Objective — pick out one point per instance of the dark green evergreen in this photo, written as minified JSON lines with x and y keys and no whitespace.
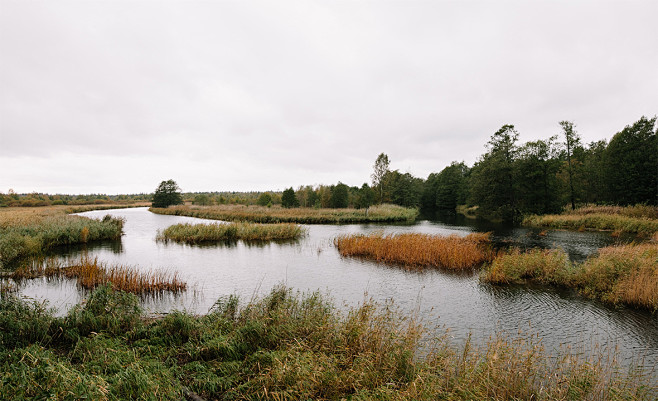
{"x":631,"y":164}
{"x":339,"y":196}
{"x":166,"y":194}
{"x":451,"y":188}
{"x":289,"y":199}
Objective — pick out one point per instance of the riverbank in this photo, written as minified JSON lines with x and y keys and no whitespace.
{"x":639,"y":219}
{"x":275,"y":214}
{"x":282,"y":346}
{"x":27,"y":232}
{"x":626,"y":274}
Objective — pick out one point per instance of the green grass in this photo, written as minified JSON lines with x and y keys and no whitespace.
{"x":25,"y":233}
{"x":261,"y":214}
{"x":283,"y":346}
{"x":638,"y":219}
{"x":196,"y":233}
{"x":625,"y":274}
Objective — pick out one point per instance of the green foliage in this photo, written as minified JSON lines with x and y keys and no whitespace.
{"x":203,"y":200}
{"x":107,"y":311}
{"x":23,"y":322}
{"x":166,"y":194}
{"x":264,"y":199}
{"x":366,"y":197}
{"x":451,"y":187}
{"x":289,"y":199}
{"x":380,"y":169}
{"x":339,"y":196}
{"x":631,"y":164}
{"x":537,"y":167}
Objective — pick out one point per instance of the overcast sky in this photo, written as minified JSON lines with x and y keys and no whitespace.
{"x":116,"y":96}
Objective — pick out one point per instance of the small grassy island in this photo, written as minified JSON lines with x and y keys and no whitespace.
{"x":196,"y":233}
{"x":306,"y":215}
{"x":419,"y":250}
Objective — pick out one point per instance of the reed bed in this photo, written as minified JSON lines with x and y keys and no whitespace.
{"x":30,"y":232}
{"x":90,"y":274}
{"x":625,"y":274}
{"x":419,"y":250}
{"x":284,"y":346}
{"x":639,"y":219}
{"x":197,"y":233}
{"x":267,"y":215}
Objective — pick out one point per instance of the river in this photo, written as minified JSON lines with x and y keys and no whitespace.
{"x":457,"y":302}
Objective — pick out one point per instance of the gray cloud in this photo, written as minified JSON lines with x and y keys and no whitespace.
{"x":116,"y":96}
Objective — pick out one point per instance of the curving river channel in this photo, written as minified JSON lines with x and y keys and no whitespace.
{"x":458,"y":302}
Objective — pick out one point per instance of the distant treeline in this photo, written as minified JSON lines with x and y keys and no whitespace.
{"x":39,"y":199}
{"x":508,"y":181}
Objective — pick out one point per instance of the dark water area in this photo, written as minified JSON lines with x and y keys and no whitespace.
{"x":457,"y":302}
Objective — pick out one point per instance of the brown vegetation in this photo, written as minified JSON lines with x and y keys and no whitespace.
{"x":419,"y":250}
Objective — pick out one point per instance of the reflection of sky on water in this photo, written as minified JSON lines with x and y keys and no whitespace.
{"x":458,"y":302}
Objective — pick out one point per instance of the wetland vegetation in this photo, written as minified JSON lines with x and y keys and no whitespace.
{"x":626,"y":274}
{"x":283,"y":346}
{"x":419,"y":250}
{"x":196,"y":233}
{"x":261,"y":214}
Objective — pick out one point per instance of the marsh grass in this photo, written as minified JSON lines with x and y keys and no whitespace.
{"x":419,"y":250}
{"x":30,"y":232}
{"x":267,"y":215}
{"x":639,"y":219}
{"x":284,"y":346}
{"x":197,"y":233}
{"x":624,"y":274}
{"x":90,"y":273}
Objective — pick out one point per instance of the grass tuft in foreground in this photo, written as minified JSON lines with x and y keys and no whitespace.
{"x":90,"y":274}
{"x":284,"y":346}
{"x":626,"y":274}
{"x":419,"y":250}
{"x":196,"y":233}
{"x":267,"y":215}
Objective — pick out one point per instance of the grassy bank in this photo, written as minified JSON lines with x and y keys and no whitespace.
{"x":419,"y":250}
{"x":26,"y":232}
{"x":261,"y":214}
{"x":196,"y":233}
{"x":632,"y":219}
{"x":281,"y":347}
{"x":90,"y":274}
{"x":618,"y":274}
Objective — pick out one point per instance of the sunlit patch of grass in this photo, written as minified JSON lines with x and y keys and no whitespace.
{"x":196,"y":233}
{"x":540,"y":265}
{"x":419,"y":250}
{"x":90,"y":274}
{"x":262,"y":214}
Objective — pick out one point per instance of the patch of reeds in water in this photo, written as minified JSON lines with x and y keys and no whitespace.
{"x":267,"y":215}
{"x":638,"y":219}
{"x":90,"y":273}
{"x":419,"y":250}
{"x":30,"y":232}
{"x":197,"y":233}
{"x":625,"y":274}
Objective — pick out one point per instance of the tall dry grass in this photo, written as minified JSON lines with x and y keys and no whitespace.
{"x":261,"y":214}
{"x":640,"y":219}
{"x":624,"y":274}
{"x":196,"y":233}
{"x":419,"y":250}
{"x":90,"y":274}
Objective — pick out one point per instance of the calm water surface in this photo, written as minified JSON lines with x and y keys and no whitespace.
{"x":458,"y":302}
